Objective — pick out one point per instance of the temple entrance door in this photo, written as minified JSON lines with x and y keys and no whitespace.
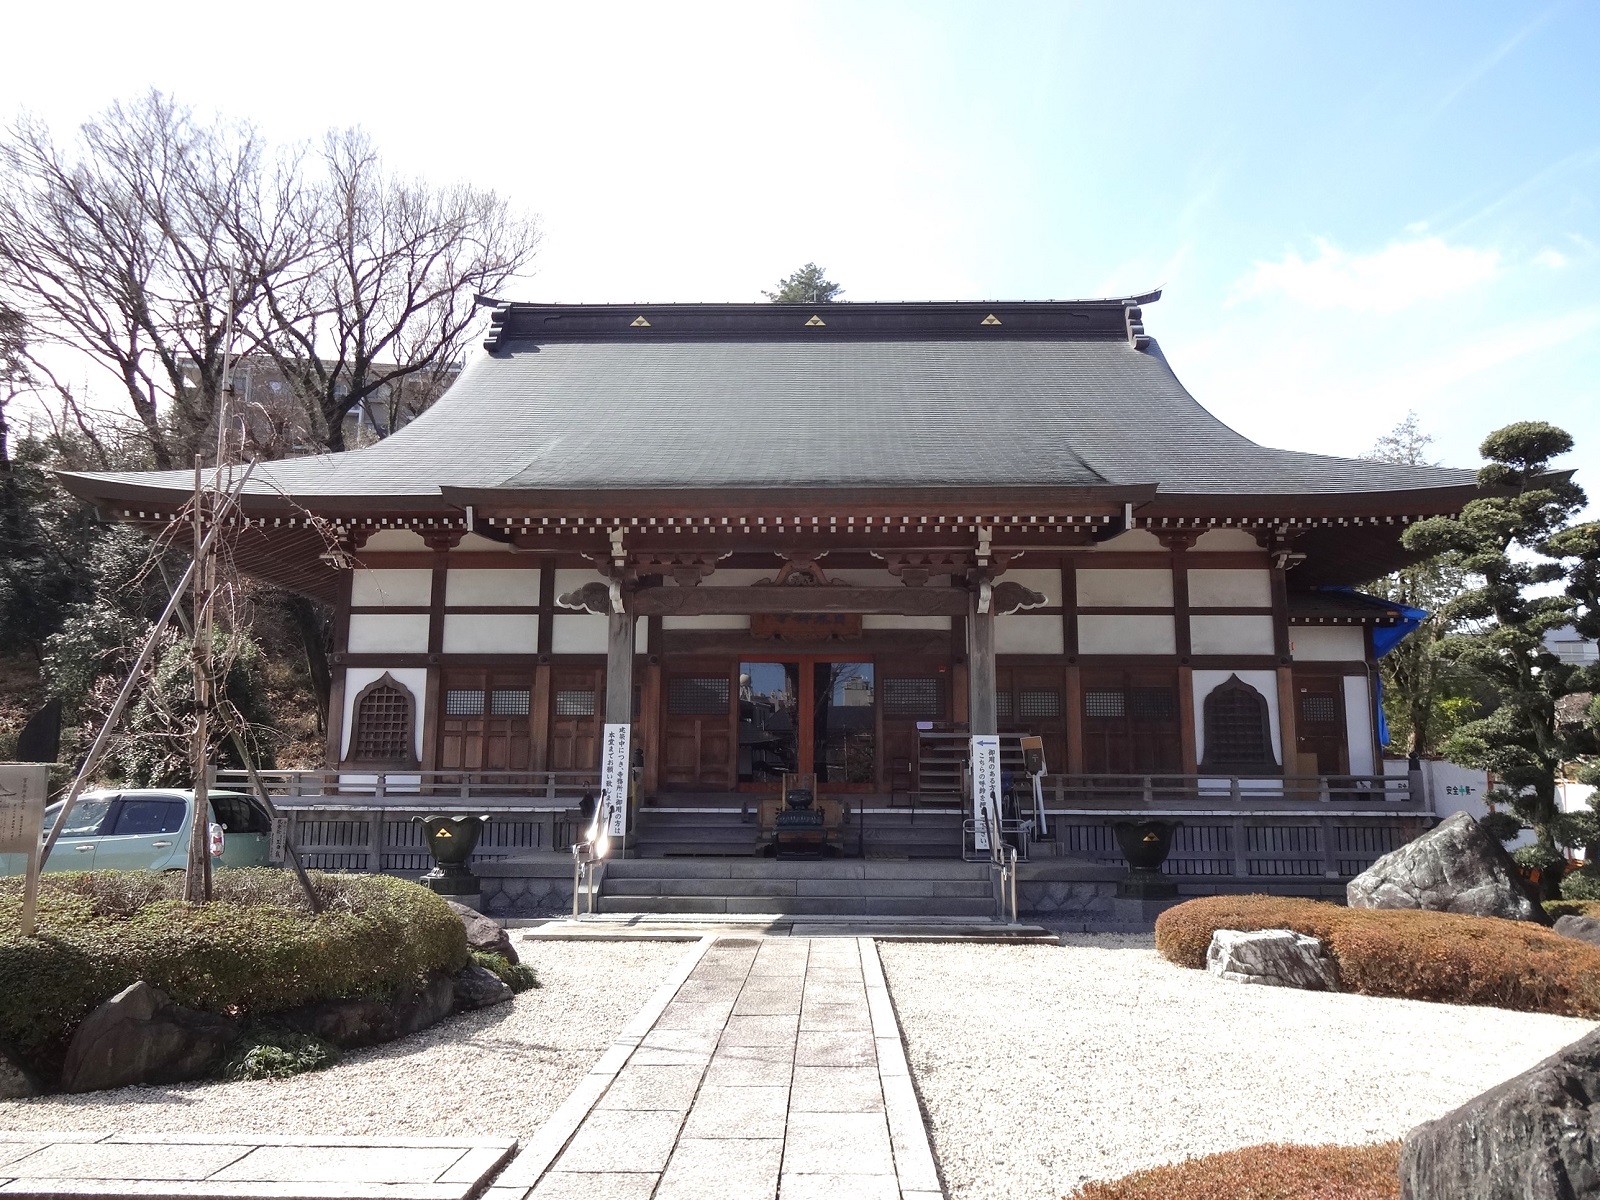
{"x":697,"y":732}
{"x":577,"y":701}
{"x":484,"y":722}
{"x":1319,"y":726}
{"x":1130,"y":721}
{"x":816,"y":715}
{"x":1031,"y":699}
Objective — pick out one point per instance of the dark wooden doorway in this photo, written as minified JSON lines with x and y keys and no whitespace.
{"x":577,"y":703}
{"x":697,"y":728}
{"x":484,"y":721}
{"x":1319,"y":728}
{"x":1130,"y":721}
{"x":1033,"y":700}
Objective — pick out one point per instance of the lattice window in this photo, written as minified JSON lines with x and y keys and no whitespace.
{"x":1153,"y":704}
{"x":1319,"y":709}
{"x":1104,"y":704}
{"x":463,"y":702}
{"x":1238,"y":729}
{"x":509,"y":702}
{"x":574,"y":704}
{"x":1002,"y":706}
{"x":1035,"y":703}
{"x":913,"y":698}
{"x":698,"y":697}
{"x":382,"y":724}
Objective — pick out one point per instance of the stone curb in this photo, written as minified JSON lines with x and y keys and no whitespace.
{"x":908,"y":1135}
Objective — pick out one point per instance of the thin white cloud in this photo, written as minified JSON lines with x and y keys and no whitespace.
{"x":1492,"y":60}
{"x":1386,"y":281}
{"x":1553,"y":259}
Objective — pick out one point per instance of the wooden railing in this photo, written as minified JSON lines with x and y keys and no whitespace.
{"x":1320,"y":795}
{"x":521,"y":790}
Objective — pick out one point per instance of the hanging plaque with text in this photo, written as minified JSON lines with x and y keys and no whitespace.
{"x":985,"y":787}
{"x":614,"y":770}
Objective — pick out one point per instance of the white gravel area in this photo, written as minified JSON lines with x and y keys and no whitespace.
{"x":497,"y":1072}
{"x":1042,"y":1067}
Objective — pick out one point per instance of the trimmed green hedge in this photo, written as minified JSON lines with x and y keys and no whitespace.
{"x":256,"y":950}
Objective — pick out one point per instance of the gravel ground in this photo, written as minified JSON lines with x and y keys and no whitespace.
{"x":1042,"y":1067}
{"x":497,"y":1072}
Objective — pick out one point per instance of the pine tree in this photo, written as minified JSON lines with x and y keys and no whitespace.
{"x":808,"y":285}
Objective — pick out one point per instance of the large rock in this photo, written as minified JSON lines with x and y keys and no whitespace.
{"x":15,"y":1080}
{"x":484,"y":933}
{"x":1277,"y":957}
{"x":476,"y":987}
{"x":1535,"y":1137}
{"x":1586,"y":929}
{"x":141,"y":1035}
{"x":366,"y":1022}
{"x":1455,"y":867}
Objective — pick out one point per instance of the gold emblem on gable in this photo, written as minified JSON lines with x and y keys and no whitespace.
{"x":816,"y":320}
{"x":991,"y":319}
{"x":639,"y":322}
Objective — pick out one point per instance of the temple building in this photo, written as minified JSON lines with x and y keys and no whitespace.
{"x":783,"y":540}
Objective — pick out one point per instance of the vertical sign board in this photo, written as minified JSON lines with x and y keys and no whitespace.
{"x":22,"y":793}
{"x":278,"y":846}
{"x":614,"y":764}
{"x":985,"y":787}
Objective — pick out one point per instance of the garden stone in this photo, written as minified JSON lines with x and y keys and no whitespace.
{"x":1534,"y":1137}
{"x":1586,"y":929}
{"x":1277,"y":957}
{"x":479,"y":987}
{"x":484,"y":933}
{"x":366,"y":1022}
{"x":1455,"y":867}
{"x":141,"y":1035}
{"x":15,"y":1081}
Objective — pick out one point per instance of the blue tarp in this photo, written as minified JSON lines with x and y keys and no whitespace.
{"x":1385,"y":638}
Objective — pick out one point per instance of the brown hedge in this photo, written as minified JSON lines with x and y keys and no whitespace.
{"x":1270,"y":1172}
{"x":1417,"y":955}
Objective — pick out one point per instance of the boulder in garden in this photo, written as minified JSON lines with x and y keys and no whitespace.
{"x":1455,"y":867}
{"x":478,"y":987}
{"x":485,"y":934}
{"x":1276,"y":957}
{"x":367,"y":1021}
{"x":1585,"y":929}
{"x":141,"y":1035}
{"x":15,"y":1081}
{"x":1535,"y":1137}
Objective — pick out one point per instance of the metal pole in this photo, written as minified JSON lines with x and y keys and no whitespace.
{"x":97,"y":751}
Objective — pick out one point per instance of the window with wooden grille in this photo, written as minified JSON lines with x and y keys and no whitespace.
{"x":1035,"y":703}
{"x":574,"y":703}
{"x":508,"y":702}
{"x":1153,"y":704}
{"x":463,"y":702}
{"x":1002,"y":706}
{"x":1104,"y":704}
{"x":913,"y":698}
{"x":697,"y":696}
{"x":382,"y":723}
{"x":1238,"y":730}
{"x":1319,"y":709}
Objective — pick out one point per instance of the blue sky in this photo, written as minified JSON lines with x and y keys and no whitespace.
{"x":1355,"y":209}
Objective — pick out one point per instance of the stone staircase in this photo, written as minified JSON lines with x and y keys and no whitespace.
{"x":666,"y":832}
{"x":826,"y":887}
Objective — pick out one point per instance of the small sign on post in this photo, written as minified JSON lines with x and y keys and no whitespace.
{"x":615,"y":760}
{"x":985,"y":787}
{"x":278,"y":846}
{"x":22,"y":793}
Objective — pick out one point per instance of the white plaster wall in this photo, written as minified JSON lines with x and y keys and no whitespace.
{"x":1265,"y":682}
{"x":1210,"y":587}
{"x":413,"y":678}
{"x":388,"y":633}
{"x":586,"y":633}
{"x":394,"y":539}
{"x":1039,"y":579}
{"x":1230,"y":635}
{"x":1135,"y":588}
{"x":1024,"y":634}
{"x":1133,"y":539}
{"x":1327,"y":643}
{"x":1358,"y":722}
{"x":387,"y":588}
{"x":1232,"y":540}
{"x":480,"y":586}
{"x":491,"y":633}
{"x":893,"y":621}
{"x":1108,"y":634}
{"x":707,"y":621}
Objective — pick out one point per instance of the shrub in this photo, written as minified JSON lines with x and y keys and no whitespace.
{"x":270,"y":1051}
{"x":1582,"y":884}
{"x":255,"y":951}
{"x":1409,"y":953}
{"x":519,"y":977}
{"x":1572,"y":908}
{"x":1271,"y":1172}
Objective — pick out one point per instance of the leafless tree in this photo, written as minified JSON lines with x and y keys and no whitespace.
{"x":382,"y":311}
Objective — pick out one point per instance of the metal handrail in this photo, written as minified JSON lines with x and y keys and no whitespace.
{"x":1003,"y":864}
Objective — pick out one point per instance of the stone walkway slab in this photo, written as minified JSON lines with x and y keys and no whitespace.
{"x":242,"y":1167}
{"x":766,"y":1068}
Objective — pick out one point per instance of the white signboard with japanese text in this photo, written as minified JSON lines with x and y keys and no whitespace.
{"x":278,"y":846}
{"x":614,"y":769}
{"x":985,"y":787}
{"x":22,"y":796}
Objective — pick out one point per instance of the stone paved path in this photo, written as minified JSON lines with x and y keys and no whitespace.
{"x":767,"y":1068}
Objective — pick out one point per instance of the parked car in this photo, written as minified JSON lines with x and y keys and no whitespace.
{"x":148,"y":829}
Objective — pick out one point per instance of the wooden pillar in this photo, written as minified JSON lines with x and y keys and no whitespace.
{"x":1286,"y":725}
{"x":1074,"y":763}
{"x":619,"y":667}
{"x":981,"y":704}
{"x":334,"y":749}
{"x":649,"y":730}
{"x":1187,"y":742}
